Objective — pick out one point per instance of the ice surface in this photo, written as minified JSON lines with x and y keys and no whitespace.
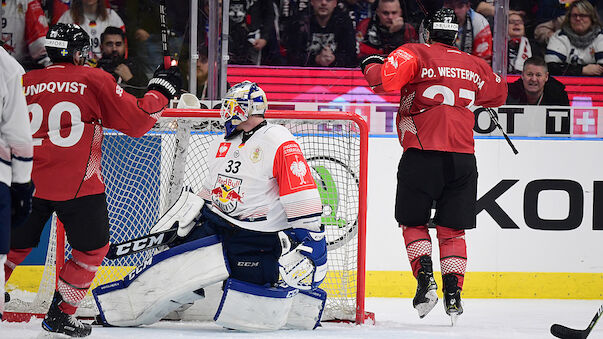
{"x":483,"y":318}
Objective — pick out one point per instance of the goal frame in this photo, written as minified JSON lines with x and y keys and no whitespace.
{"x":361,"y":314}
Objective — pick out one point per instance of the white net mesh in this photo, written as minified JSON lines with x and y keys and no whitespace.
{"x":144,"y":176}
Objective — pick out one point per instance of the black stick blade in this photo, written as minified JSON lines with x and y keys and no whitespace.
{"x":563,"y":332}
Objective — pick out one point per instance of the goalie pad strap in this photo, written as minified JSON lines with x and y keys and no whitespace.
{"x":249,"y":307}
{"x":162,"y":283}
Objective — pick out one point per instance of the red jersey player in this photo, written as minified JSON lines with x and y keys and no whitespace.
{"x":69,"y":104}
{"x":435,"y":127}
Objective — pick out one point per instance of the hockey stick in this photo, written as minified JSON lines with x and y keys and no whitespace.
{"x":495,"y":120}
{"x":561,"y":331}
{"x":164,"y":45}
{"x":143,"y":243}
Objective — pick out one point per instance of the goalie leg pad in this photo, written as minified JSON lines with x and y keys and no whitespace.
{"x":252,"y":308}
{"x":162,"y":283}
{"x":306,"y":310}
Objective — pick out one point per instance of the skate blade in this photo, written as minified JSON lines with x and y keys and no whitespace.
{"x":425,"y":308}
{"x":51,"y":335}
{"x":453,"y":319}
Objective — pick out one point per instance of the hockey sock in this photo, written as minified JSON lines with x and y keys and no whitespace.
{"x":453,"y":252}
{"x":418,"y":244}
{"x":77,"y":275}
{"x":13,"y":259}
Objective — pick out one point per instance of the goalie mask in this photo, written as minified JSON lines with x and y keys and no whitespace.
{"x":442,"y":27}
{"x":241,"y":101}
{"x":64,"y":40}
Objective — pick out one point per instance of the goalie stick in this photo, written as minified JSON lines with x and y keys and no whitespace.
{"x":143,"y":243}
{"x":564,"y":332}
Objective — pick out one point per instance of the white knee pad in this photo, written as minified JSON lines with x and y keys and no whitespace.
{"x":250,"y":307}
{"x":162,"y":284}
{"x":306,"y":310}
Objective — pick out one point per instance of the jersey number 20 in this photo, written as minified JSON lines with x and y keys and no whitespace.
{"x":54,"y":123}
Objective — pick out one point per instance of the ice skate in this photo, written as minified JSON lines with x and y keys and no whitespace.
{"x":59,"y":322}
{"x":452,"y":298}
{"x":425,"y":297}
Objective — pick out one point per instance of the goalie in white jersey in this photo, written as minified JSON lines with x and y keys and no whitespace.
{"x":260,"y":216}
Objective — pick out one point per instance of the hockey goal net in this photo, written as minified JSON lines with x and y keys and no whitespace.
{"x":144,"y":177}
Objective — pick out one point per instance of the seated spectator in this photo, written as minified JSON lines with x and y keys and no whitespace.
{"x":475,"y":36}
{"x":544,"y":31}
{"x":24,"y":29}
{"x":520,"y":48}
{"x":324,"y":37}
{"x":577,"y":48}
{"x":94,"y":17}
{"x":128,"y":74}
{"x":386,"y":31}
{"x":536,"y":87}
{"x":251,"y":27}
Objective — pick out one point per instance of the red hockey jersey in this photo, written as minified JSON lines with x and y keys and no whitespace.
{"x":68,"y":106}
{"x":438,"y":84}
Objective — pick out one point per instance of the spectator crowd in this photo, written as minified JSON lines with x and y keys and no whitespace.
{"x":567,"y":34}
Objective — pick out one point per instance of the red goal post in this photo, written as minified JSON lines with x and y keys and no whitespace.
{"x":143,"y":177}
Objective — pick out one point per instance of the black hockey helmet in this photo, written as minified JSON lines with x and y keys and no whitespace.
{"x":442,"y":26}
{"x":63,"y":40}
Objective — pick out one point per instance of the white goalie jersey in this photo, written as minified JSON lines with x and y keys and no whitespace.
{"x":264,"y":184}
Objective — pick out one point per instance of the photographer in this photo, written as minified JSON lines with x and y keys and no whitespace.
{"x":126,"y":72}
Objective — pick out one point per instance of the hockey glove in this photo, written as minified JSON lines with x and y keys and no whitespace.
{"x":303,"y":264}
{"x":371,"y":59}
{"x":20,"y":202}
{"x":167,"y":81}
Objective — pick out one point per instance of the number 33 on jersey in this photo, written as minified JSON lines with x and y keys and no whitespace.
{"x":264,"y":184}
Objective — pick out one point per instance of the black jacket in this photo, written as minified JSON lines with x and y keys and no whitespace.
{"x":554,"y":93}
{"x":306,"y":39}
{"x":137,"y":86}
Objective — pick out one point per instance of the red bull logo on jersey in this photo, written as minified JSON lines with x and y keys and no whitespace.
{"x":226,"y":193}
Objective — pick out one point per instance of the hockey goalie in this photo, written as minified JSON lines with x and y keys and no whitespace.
{"x":255,"y":226}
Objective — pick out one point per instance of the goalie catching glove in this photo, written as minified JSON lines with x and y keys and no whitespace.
{"x":303,"y":263}
{"x":166,"y":81}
